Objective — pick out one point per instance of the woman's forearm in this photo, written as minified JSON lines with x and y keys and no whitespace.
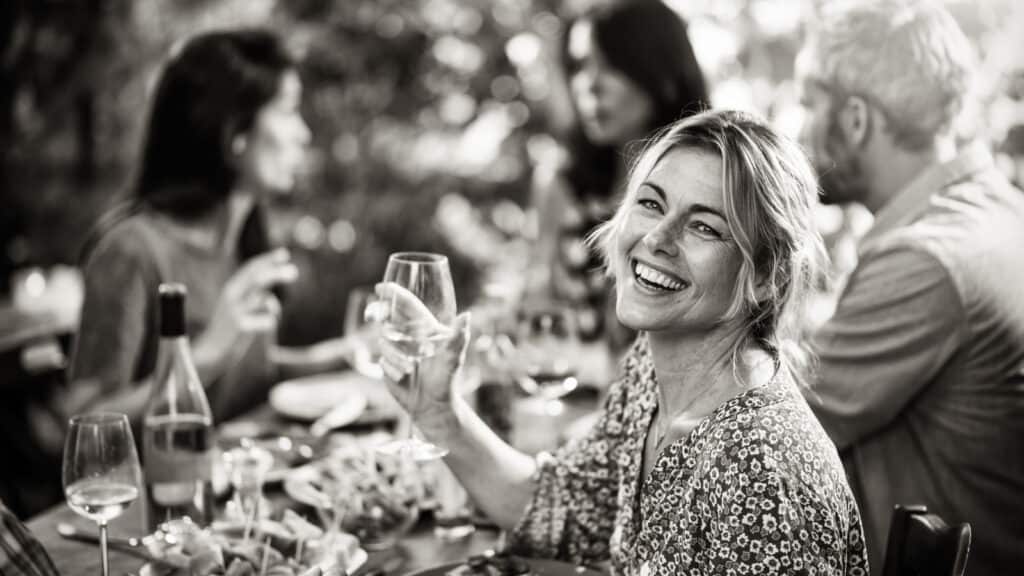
{"x":497,"y":476}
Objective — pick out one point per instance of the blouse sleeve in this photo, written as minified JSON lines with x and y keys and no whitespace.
{"x":115,"y":316}
{"x":572,"y":513}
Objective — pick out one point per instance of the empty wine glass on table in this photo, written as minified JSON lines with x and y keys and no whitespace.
{"x":428,"y":278}
{"x":548,"y":348}
{"x":101,"y":470}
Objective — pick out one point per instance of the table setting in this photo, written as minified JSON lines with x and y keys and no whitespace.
{"x":328,"y":478}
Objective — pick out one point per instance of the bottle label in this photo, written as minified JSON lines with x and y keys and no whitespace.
{"x":179,"y":467}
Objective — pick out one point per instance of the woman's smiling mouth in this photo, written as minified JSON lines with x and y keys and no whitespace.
{"x":653,"y":279}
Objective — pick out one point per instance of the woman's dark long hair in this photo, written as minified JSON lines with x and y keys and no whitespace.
{"x":207,"y":95}
{"x":647,"y":41}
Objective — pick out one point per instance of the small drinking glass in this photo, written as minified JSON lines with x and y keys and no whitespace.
{"x":248,"y":466}
{"x":101,"y":472}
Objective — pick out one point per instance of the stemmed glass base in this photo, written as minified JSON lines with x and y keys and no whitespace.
{"x":414,"y":449}
{"x":410,"y":446}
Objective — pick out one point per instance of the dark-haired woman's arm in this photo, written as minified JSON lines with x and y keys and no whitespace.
{"x":325,"y":356}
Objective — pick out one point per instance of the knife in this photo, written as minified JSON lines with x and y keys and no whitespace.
{"x":133,"y":546}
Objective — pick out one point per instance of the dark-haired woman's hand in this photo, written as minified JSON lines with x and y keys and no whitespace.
{"x":246,"y":307}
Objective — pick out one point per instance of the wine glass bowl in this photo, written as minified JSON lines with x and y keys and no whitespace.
{"x":101,"y":472}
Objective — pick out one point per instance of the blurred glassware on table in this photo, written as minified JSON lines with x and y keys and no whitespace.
{"x":428,"y":278}
{"x":487,"y":378}
{"x":363,"y":332}
{"x":178,"y":438}
{"x":548,"y":349}
{"x":101,"y":472}
{"x":247,"y":469}
{"x":453,"y":515}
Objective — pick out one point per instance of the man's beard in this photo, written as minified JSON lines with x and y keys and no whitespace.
{"x":842,"y":178}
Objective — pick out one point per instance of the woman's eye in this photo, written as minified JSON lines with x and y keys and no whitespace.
{"x":650,"y":204}
{"x":706,"y":230}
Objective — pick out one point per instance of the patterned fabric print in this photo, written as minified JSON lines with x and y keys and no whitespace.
{"x":757,"y":488}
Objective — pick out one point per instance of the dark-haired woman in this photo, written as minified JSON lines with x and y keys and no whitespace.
{"x":630,"y":70}
{"x":224,"y":133}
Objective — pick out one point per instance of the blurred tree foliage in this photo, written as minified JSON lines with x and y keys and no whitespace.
{"x":414,"y":105}
{"x":409,"y":102}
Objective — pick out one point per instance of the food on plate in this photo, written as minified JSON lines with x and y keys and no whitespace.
{"x":373,"y":496}
{"x":288,"y":547}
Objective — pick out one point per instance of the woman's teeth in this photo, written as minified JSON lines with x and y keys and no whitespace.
{"x":653,"y":278}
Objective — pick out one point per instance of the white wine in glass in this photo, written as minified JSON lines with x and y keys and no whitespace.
{"x":101,"y":470}
{"x":428,"y":278}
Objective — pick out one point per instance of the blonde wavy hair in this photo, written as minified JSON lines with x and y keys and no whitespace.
{"x":769,"y":192}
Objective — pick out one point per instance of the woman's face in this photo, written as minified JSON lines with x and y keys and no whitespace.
{"x":275,"y":146}
{"x":613,"y":109}
{"x":675,"y":263}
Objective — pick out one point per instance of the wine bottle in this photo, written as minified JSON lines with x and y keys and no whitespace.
{"x":177,"y":427}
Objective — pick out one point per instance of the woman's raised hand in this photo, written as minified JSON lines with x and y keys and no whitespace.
{"x":400,"y":307}
{"x":246,"y":306}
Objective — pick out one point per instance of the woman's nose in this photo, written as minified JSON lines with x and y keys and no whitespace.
{"x":662,"y":238}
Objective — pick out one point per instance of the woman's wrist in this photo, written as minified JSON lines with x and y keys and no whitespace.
{"x":442,"y":426}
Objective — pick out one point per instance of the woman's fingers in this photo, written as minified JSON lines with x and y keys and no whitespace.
{"x":400,"y":306}
{"x":262,"y":272}
{"x":398,"y":360}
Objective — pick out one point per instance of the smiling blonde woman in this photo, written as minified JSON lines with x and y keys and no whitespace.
{"x":706,"y":460}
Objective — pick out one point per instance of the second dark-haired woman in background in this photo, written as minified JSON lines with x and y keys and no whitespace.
{"x":224,"y":133}
{"x":630,"y":70}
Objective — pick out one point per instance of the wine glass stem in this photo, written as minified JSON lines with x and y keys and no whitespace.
{"x":103,"y":549}
{"x":414,"y":389}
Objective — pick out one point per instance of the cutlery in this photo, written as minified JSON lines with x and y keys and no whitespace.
{"x":134,"y":546}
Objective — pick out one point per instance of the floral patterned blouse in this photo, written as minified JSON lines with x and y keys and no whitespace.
{"x":756,"y":488}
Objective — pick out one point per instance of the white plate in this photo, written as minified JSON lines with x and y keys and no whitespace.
{"x":380,"y":406}
{"x":311,"y":397}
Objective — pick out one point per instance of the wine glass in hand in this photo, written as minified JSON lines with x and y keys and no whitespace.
{"x":101,"y":470}
{"x":418,"y":327}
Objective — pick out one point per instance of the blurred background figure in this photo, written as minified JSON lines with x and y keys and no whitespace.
{"x":630,"y":70}
{"x":224,"y":134}
{"x":1012,"y":149}
{"x":921,"y":369}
